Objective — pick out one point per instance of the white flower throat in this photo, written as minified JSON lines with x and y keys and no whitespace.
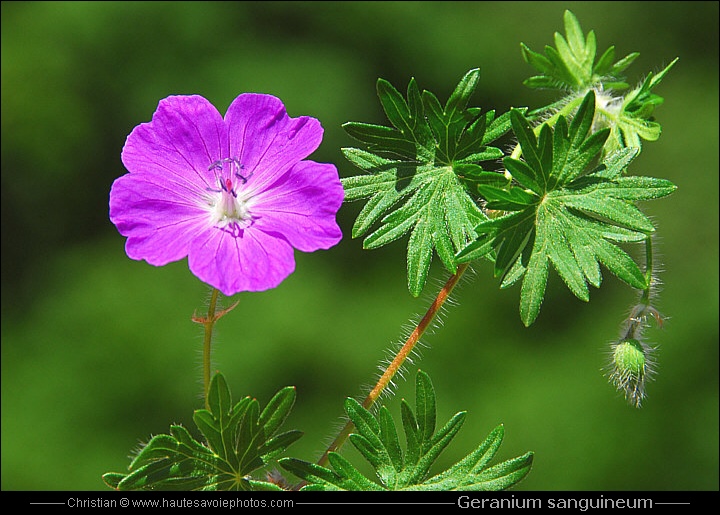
{"x":228,"y":207}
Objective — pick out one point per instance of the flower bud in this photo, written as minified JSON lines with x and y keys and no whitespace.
{"x":629,"y":357}
{"x":630,"y":368}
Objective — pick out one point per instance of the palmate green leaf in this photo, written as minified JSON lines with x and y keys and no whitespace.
{"x":417,"y":173}
{"x":571,"y":65}
{"x":559,"y":211}
{"x":376,"y":438}
{"x":634,"y":120}
{"x":239,"y":439}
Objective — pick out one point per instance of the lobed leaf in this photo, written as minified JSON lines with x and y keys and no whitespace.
{"x":376,"y":439}
{"x":572,"y":63}
{"x":420,"y":172}
{"x":240,"y":439}
{"x":561,"y":211}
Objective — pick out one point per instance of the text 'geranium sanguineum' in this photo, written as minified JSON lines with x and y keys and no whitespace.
{"x":236,"y":195}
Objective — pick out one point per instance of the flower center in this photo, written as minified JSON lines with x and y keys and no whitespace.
{"x":228,"y":207}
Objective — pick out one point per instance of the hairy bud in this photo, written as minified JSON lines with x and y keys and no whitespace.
{"x":631,"y":367}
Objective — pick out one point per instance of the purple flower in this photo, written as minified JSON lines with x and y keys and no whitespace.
{"x":234,"y":195}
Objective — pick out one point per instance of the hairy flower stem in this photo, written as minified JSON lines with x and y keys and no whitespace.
{"x":209,"y":323}
{"x":399,"y":358}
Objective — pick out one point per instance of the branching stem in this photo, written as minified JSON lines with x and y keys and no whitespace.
{"x":209,"y":323}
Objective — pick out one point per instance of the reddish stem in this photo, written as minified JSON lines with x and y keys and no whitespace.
{"x":399,"y":358}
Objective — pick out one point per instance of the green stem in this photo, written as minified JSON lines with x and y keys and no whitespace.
{"x":648,"y":269}
{"x":644,"y":309}
{"x":208,"y":322}
{"x":399,"y":358}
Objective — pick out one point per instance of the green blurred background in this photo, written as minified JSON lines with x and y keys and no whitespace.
{"x":99,"y":353}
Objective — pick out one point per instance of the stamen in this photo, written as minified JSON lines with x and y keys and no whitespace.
{"x":228,"y":211}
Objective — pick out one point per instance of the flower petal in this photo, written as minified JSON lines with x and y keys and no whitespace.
{"x":265,"y":139}
{"x":158,"y":220}
{"x":249,"y":260}
{"x":302,"y":205}
{"x":186,"y":135}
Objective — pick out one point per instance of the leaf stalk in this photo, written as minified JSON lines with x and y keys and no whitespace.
{"x":399,"y":358}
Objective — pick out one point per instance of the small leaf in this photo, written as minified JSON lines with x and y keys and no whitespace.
{"x":605,"y":62}
{"x":317,"y":475}
{"x":534,"y":282}
{"x":615,"y":164}
{"x":641,"y":188}
{"x":528,"y":142}
{"x":383,"y":139}
{"x":619,"y":263}
{"x":412,"y":127}
{"x":564,"y":261}
{"x":419,"y":256}
{"x":503,"y":475}
{"x":204,"y":421}
{"x":389,"y":437}
{"x":370,"y":453}
{"x":603,"y":204}
{"x":425,"y":406}
{"x":264,"y":486}
{"x":572,"y":63}
{"x":498,"y":127}
{"x":364,"y":421}
{"x":219,"y":399}
{"x":353,"y":478}
{"x":112,"y":479}
{"x":513,"y":275}
{"x":436,"y":446}
{"x":412,"y":435}
{"x":277,"y":410}
{"x":278,"y":444}
{"x":522,"y":173}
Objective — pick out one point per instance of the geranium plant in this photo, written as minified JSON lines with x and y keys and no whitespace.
{"x":236,"y":195}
